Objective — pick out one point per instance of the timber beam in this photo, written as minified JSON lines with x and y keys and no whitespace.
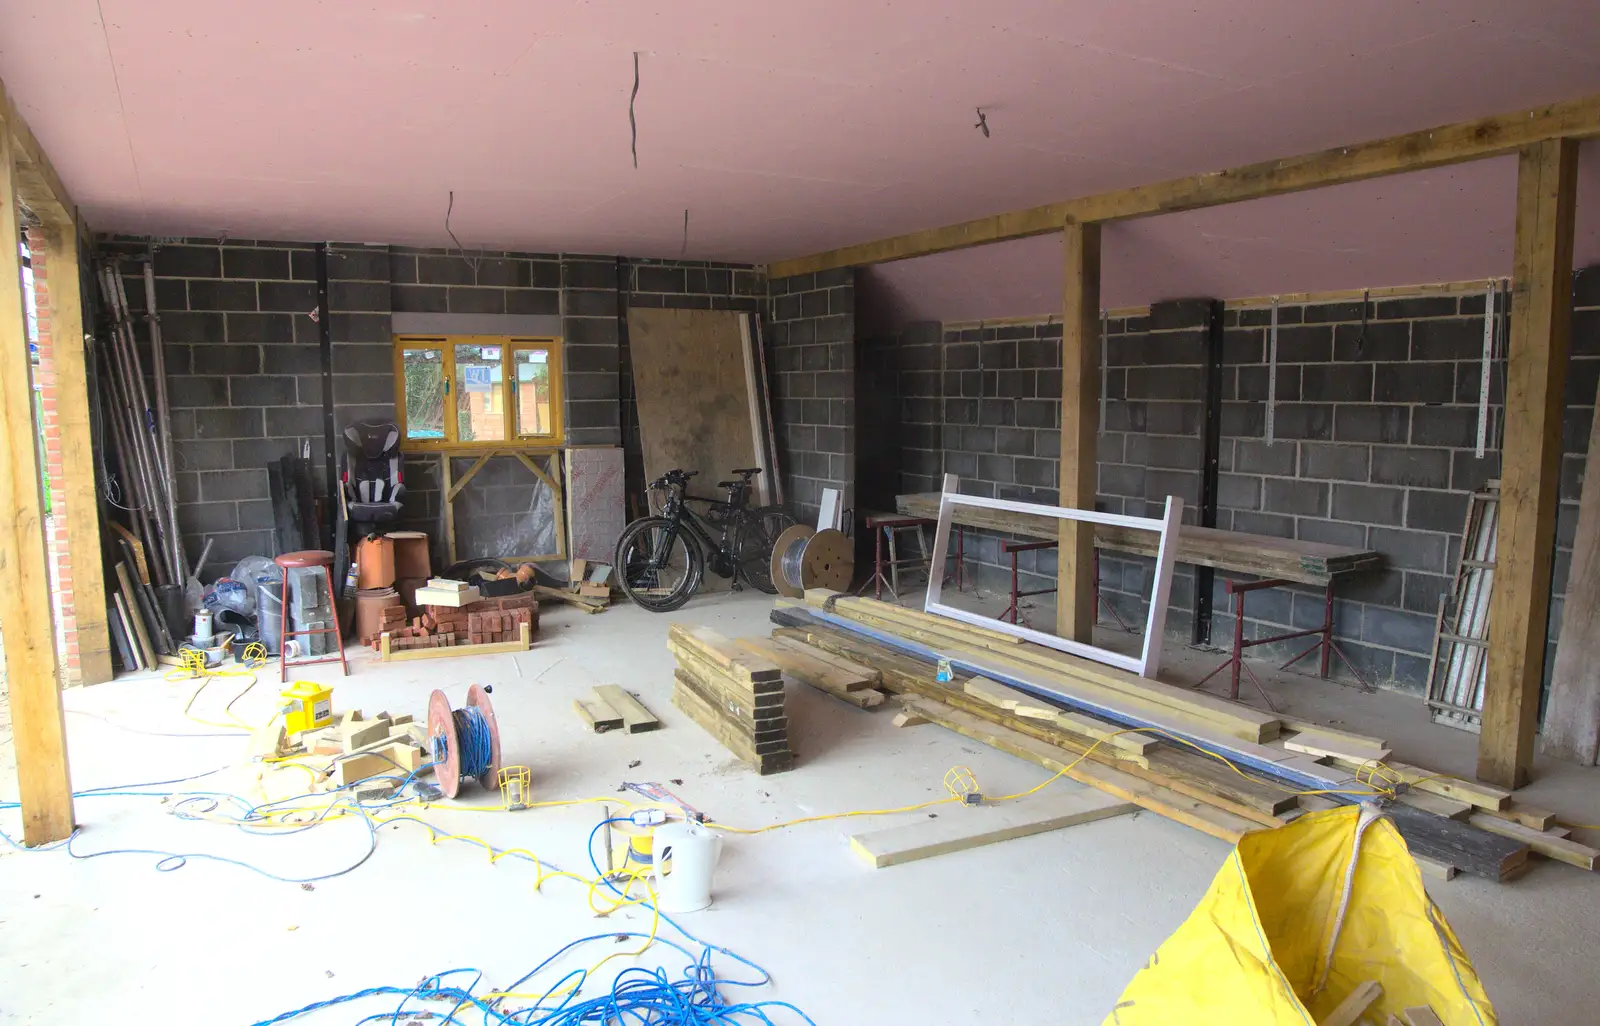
{"x":1536,"y":372}
{"x":1398,"y":154}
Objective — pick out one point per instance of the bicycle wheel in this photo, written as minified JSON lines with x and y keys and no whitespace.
{"x":757,"y":534}
{"x":659,"y":566}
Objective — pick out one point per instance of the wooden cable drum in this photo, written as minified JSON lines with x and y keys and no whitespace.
{"x":464,"y":742}
{"x":804,"y":557}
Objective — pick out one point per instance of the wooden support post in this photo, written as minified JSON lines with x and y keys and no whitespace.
{"x":73,"y":400}
{"x":1080,"y":395}
{"x":30,"y":648}
{"x":1536,"y":370}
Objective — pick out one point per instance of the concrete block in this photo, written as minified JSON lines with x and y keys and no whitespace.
{"x":1332,"y":532}
{"x":1436,"y":511}
{"x":1380,"y":342}
{"x":1252,"y":457}
{"x":1410,"y":550}
{"x":1368,"y":505}
{"x":227,"y":423}
{"x":188,"y":262}
{"x":289,"y":296}
{"x":1312,"y":421}
{"x":221,"y":295}
{"x":1394,"y":628}
{"x":1452,"y":339}
{"x":1414,"y":383}
{"x":1421,"y":468}
{"x":1334,"y":461}
{"x":1372,"y":423}
{"x":1305,"y":344}
{"x":1295,"y":497}
{"x":418,"y":299}
{"x":1239,"y":491}
{"x":1345,"y":383}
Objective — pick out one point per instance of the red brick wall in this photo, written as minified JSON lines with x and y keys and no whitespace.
{"x":56,"y":523}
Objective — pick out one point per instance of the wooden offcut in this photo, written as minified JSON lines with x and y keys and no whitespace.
{"x":1536,"y":371}
{"x":1317,"y":743}
{"x":599,"y":716}
{"x":799,"y":663}
{"x":693,"y":402}
{"x":960,"y":828}
{"x":636,"y":719}
{"x":1347,"y":1011}
{"x":1551,"y":845}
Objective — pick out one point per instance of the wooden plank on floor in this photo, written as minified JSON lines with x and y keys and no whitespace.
{"x":635,"y":717}
{"x":1434,"y":869}
{"x":1550,"y":845}
{"x":598,"y":715}
{"x":1157,"y":799}
{"x":739,"y":663}
{"x":1439,"y":805}
{"x":802,"y":666}
{"x":870,"y":674}
{"x":959,"y":828}
{"x":1327,"y":746}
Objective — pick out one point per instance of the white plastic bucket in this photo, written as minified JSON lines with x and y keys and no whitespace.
{"x":685,"y":857}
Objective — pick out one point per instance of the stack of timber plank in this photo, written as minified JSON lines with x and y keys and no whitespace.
{"x":734,"y":693}
{"x":831,"y":674}
{"x":1153,"y":768}
{"x":1288,"y":558}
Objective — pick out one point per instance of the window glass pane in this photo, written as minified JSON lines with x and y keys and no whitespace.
{"x":480,"y":412}
{"x":424,"y":372}
{"x":532,"y":396}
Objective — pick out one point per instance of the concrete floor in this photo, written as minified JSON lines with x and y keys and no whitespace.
{"x":1044,"y":929}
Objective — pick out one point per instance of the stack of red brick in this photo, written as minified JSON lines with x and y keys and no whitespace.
{"x":477,"y":623}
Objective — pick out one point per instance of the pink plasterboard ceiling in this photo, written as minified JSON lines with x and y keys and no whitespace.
{"x":783,"y":129}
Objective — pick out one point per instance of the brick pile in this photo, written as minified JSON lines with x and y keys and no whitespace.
{"x":484,"y":622}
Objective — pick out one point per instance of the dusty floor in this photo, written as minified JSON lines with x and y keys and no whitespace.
{"x":1045,"y":929}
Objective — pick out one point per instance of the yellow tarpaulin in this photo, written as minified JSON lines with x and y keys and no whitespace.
{"x":1252,"y":952}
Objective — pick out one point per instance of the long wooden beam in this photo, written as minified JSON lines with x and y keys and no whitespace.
{"x":1080,"y":392}
{"x":37,"y":185}
{"x":81,"y":501}
{"x":1536,"y":371}
{"x":30,"y":648}
{"x":1413,"y":151}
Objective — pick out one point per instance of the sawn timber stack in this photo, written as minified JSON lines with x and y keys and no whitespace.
{"x":735,"y":694}
{"x":1171,"y":777}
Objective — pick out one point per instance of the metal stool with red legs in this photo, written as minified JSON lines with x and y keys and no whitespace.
{"x":299,"y":560}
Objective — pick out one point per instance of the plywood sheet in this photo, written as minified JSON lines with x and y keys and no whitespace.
{"x":694,"y":406}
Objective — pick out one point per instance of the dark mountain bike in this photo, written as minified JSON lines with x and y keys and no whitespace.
{"x":661,"y":559}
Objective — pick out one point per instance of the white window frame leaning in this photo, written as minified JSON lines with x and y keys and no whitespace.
{"x":1148,"y":663}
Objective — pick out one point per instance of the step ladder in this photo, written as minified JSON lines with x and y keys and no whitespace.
{"x":1460,"y":662}
{"x":920,"y":563}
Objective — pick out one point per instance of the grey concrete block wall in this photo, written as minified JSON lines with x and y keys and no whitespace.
{"x":1374,"y":436}
{"x":811,"y":365}
{"x":245,"y":366}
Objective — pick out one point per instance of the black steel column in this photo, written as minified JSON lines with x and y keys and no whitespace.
{"x":1211,"y":438}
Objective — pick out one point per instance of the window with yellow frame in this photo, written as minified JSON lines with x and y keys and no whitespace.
{"x":477,"y":391}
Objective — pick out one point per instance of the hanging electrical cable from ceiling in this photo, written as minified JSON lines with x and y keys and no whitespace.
{"x":683,"y":250}
{"x":633,"y":124}
{"x":983,"y":123}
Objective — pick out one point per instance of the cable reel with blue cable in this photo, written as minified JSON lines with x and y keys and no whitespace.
{"x":464,"y":742}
